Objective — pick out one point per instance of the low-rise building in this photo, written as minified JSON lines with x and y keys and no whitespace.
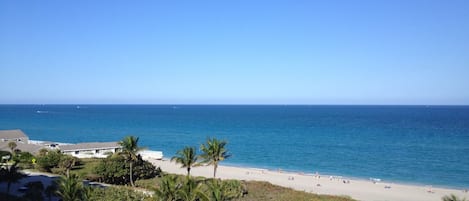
{"x":80,"y":150}
{"x":20,"y":139}
{"x":13,"y":136}
{"x":91,"y":149}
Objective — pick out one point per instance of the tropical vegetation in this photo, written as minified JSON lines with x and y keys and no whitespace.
{"x":187,"y":157}
{"x":56,"y":162}
{"x":12,"y":146}
{"x":130,"y":150}
{"x":70,"y":188}
{"x":452,"y":197}
{"x":128,"y":167}
{"x":213,"y":152}
{"x":115,"y":170}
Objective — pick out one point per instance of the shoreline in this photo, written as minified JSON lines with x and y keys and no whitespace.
{"x":328,"y":184}
{"x":306,"y":173}
{"x":410,"y":183}
{"x":357,"y":188}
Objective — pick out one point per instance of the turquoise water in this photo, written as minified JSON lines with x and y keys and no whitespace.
{"x":412,"y":144}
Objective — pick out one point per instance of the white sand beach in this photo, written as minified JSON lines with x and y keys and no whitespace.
{"x":358,"y":189}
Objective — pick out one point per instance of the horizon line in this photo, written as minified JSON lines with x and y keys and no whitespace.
{"x":233,"y":104}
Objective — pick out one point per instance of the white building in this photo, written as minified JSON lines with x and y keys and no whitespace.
{"x":91,"y":149}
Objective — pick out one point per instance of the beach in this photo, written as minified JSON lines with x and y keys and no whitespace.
{"x":331,"y":185}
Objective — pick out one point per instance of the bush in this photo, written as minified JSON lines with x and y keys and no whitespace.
{"x":24,"y":160}
{"x":56,"y":162}
{"x":145,"y":170}
{"x":115,"y":170}
{"x":4,"y":153}
{"x":117,"y":193}
{"x":48,"y":161}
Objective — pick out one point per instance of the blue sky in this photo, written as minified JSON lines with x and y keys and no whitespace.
{"x":234,"y":52}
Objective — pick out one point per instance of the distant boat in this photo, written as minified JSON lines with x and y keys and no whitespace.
{"x":40,"y":111}
{"x":78,"y":107}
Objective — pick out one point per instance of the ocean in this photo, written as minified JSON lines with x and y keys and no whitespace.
{"x":426,"y":145}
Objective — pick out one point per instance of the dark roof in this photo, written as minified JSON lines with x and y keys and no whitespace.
{"x":12,"y":134}
{"x":89,"y":145}
{"x":31,"y":148}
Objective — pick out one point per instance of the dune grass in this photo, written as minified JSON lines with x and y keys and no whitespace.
{"x":257,"y":190}
{"x":263,"y":191}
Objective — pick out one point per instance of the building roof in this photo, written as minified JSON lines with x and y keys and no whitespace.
{"x":89,"y":146}
{"x":12,"y":134}
{"x":31,"y":148}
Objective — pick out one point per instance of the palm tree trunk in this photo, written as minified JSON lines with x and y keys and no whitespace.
{"x":215,"y":166}
{"x":131,"y":175}
{"x":188,"y":171}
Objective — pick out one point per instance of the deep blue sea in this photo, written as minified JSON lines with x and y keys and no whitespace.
{"x":410,"y":144}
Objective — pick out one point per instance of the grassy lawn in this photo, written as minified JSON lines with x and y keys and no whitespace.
{"x":86,"y":168}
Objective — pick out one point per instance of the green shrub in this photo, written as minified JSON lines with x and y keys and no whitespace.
{"x":4,"y":153}
{"x":115,"y":170}
{"x":117,"y":193}
{"x":48,"y":161}
{"x":56,"y":162}
{"x":24,"y":160}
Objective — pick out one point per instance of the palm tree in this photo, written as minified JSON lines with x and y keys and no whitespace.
{"x":67,"y":162}
{"x":452,"y":197}
{"x":43,"y":152}
{"x":12,"y":146}
{"x":192,"y":190}
{"x":214,"y":152}
{"x":130,"y":150}
{"x":224,"y":190}
{"x":69,"y":188}
{"x":87,"y":193}
{"x":187,"y":157}
{"x":167,"y":189}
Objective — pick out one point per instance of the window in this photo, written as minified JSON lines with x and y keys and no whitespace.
{"x":77,"y":152}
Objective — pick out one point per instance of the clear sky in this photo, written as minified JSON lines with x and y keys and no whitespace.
{"x":235,"y":52}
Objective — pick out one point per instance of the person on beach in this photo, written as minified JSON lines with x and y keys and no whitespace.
{"x":430,"y":190}
{"x":316,"y":175}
